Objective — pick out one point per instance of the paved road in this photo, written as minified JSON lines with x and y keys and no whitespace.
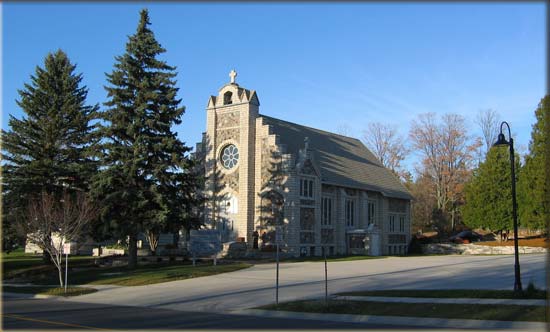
{"x":53,"y":314}
{"x":208,"y":302}
{"x":255,"y":286}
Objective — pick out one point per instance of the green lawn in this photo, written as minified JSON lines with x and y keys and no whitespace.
{"x":455,"y":293}
{"x":150,"y":274}
{"x":453,"y":311}
{"x":18,"y":264}
{"x":311,"y":259}
{"x":31,"y":268}
{"x":331,"y":259}
{"x":46,"y":290}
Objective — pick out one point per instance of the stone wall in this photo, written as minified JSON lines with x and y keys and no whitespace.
{"x":475,"y":249}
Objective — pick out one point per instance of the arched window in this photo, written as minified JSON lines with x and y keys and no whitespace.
{"x":227,"y":98}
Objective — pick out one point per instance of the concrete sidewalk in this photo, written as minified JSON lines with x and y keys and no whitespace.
{"x":439,"y":323}
{"x":440,"y":300}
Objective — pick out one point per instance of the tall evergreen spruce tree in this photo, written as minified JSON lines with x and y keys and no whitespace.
{"x":488,"y":194}
{"x":532,"y":192}
{"x":145,"y":181}
{"x":48,"y":149}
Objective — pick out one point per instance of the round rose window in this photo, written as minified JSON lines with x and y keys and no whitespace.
{"x":230,"y":156}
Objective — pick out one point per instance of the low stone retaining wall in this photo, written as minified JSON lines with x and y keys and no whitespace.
{"x":107,"y":252}
{"x":476,"y":249}
{"x":237,"y":250}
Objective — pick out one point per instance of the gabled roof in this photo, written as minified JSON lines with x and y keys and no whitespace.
{"x":343,"y":161}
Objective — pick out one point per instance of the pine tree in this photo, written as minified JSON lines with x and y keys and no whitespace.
{"x":271,"y":216}
{"x":488,"y":194}
{"x":48,"y":149}
{"x":531,"y":187}
{"x":146,"y":172}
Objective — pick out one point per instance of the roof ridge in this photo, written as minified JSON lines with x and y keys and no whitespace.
{"x":321,"y":130}
{"x":343,"y":160}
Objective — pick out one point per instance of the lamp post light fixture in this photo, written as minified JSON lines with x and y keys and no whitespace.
{"x":502,"y":141}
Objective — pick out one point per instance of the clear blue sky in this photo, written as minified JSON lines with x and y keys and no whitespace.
{"x":323,"y":65}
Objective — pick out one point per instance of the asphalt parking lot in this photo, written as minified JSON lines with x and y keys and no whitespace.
{"x":214,"y":302}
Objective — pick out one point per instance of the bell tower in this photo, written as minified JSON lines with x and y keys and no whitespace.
{"x":230,"y":146}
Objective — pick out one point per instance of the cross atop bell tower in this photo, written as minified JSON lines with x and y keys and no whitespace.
{"x":232,"y":75}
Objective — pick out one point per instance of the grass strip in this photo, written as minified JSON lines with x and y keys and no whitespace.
{"x":19,"y":264}
{"x":330,"y":259}
{"x":455,"y":293}
{"x":149,"y":274}
{"x":44,"y":290}
{"x":431,"y":310}
{"x":31,"y":268}
{"x":312,"y":259}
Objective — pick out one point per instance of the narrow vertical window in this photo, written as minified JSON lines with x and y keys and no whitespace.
{"x":326,"y":207}
{"x":392,"y":223}
{"x":330,"y":211}
{"x":350,"y":211}
{"x":323,"y":210}
{"x":371,"y":212}
{"x":306,"y":188}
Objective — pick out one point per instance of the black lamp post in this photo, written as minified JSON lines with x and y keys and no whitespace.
{"x":502,"y":141}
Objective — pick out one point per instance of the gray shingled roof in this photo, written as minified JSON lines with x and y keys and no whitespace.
{"x":342,"y":161}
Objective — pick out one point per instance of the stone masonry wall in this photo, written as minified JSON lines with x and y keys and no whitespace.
{"x":475,"y":249}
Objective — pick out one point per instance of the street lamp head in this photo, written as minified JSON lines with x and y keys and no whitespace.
{"x":501,"y":140}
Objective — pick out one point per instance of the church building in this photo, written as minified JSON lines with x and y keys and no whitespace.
{"x":271,"y":180}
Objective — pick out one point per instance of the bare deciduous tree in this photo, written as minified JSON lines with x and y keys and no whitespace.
{"x":345,"y":130}
{"x":447,"y":157}
{"x":423,"y":203}
{"x":489,"y":122}
{"x":49,"y":222}
{"x":153,"y":236}
{"x":387,"y":146}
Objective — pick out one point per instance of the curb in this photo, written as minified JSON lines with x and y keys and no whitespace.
{"x":30,"y":295}
{"x":398,"y":320}
{"x":529,"y":302}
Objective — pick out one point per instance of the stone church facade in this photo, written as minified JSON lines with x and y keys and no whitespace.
{"x":317,"y":190}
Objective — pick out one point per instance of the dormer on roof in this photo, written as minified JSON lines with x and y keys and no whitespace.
{"x":306,"y":162}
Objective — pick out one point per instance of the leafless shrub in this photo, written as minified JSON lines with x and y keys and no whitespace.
{"x":50,"y":221}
